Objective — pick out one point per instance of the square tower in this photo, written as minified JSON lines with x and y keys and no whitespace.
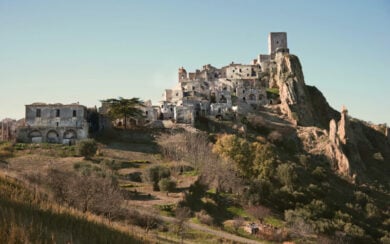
{"x":276,"y":40}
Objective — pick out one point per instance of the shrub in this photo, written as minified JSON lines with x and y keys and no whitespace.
{"x":204,"y":218}
{"x":87,"y":148}
{"x":154,"y":174}
{"x":5,"y":150}
{"x":286,"y":175}
{"x":167,"y":185}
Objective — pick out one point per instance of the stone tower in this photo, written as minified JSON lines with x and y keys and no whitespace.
{"x":276,"y":40}
{"x":182,"y":74}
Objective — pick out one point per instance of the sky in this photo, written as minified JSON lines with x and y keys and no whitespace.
{"x":57,"y":51}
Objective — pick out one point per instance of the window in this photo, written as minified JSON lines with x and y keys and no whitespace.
{"x":146,"y":112}
{"x":57,"y":113}
{"x":74,"y":113}
{"x":38,"y":113}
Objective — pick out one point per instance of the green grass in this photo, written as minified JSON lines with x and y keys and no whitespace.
{"x":271,"y":220}
{"x":237,"y":211}
{"x":274,"y":91}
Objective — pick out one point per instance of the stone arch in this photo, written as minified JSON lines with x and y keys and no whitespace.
{"x":70,"y":134}
{"x":52,"y":136}
{"x":35,"y":136}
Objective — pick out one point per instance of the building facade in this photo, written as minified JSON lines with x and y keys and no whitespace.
{"x":54,"y":123}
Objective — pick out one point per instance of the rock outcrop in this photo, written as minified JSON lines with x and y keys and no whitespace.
{"x":304,"y":105}
{"x":339,"y":161}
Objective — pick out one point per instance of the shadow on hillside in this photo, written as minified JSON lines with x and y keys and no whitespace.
{"x":138,"y":196}
{"x":135,"y":140}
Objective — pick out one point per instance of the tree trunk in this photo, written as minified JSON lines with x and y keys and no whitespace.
{"x":124,"y":123}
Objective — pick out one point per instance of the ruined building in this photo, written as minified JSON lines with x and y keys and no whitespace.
{"x":54,"y":123}
{"x":222,"y":92}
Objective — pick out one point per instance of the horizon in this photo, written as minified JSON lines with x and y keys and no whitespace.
{"x":55,"y":52}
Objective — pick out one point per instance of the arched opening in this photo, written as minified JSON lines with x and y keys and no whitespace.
{"x":70,"y":134}
{"x":52,"y":136}
{"x":252,"y":97}
{"x":70,"y":137}
{"x":35,"y":136}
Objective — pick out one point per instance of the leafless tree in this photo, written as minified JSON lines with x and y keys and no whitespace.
{"x":86,"y":192}
{"x":259,"y":212}
{"x":182,"y":215}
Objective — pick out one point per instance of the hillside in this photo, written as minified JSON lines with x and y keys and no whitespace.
{"x":292,"y":170}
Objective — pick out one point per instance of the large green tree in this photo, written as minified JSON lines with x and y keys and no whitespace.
{"x":123,"y":108}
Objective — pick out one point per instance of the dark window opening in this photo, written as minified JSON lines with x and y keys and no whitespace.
{"x":239,"y":70}
{"x":38,"y":113}
{"x":57,"y":113}
{"x":57,"y":124}
{"x":171,"y":109}
{"x":146,"y":112}
{"x":74,"y":113}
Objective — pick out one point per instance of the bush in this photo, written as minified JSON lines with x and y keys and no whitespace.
{"x":5,"y":150}
{"x":87,"y":148}
{"x":205,"y":218}
{"x":167,"y":185}
{"x":286,"y":175}
{"x":154,"y":174}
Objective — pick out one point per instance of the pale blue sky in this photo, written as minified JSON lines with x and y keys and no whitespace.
{"x":84,"y":51}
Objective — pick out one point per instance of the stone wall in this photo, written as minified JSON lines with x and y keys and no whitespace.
{"x":65,"y":135}
{"x":54,"y":123}
{"x":56,"y":115}
{"x":276,"y":40}
{"x":240,"y":71}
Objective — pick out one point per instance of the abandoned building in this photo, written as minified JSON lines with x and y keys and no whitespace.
{"x":54,"y":123}
{"x":222,"y":91}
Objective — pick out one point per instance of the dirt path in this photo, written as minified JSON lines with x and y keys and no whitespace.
{"x":218,"y":233}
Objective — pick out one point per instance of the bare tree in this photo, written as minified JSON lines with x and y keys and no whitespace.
{"x":259,"y":212}
{"x":182,"y":215}
{"x":220,"y":173}
{"x":86,"y":192}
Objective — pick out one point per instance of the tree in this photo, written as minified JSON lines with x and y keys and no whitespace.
{"x":237,"y":149}
{"x":182,"y":215}
{"x":167,"y":185}
{"x":123,"y":108}
{"x":286,"y":174}
{"x":87,"y":148}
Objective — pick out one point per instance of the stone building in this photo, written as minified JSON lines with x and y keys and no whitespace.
{"x":211,"y":91}
{"x":54,"y":123}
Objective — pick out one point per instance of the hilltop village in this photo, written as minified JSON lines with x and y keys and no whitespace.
{"x":218,"y":92}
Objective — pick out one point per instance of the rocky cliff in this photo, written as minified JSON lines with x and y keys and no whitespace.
{"x":349,"y":144}
{"x":304,"y":105}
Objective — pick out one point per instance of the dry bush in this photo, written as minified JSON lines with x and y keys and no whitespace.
{"x":86,"y":192}
{"x":205,"y":218}
{"x":187,"y":146}
{"x":259,"y":212}
{"x":237,"y":223}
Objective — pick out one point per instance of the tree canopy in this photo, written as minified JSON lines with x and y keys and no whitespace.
{"x":123,"y":108}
